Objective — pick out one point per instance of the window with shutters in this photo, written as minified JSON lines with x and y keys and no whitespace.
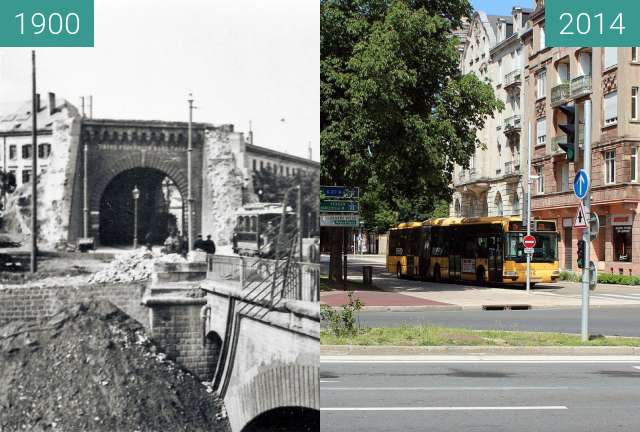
{"x":611,"y":109}
{"x":610,"y":57}
{"x":541,"y":131}
{"x":634,"y":164}
{"x":610,"y":167}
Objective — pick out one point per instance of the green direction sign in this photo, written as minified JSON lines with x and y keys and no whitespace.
{"x":339,"y":206}
{"x":338,"y":220}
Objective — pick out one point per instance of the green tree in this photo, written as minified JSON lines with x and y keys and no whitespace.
{"x":396,"y":114}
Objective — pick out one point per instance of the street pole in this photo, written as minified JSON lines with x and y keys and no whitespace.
{"x":300,"y":223}
{"x":34,"y":168}
{"x":586,"y":235}
{"x":136,"y":195}
{"x":529,"y":206}
{"x":85,"y":190}
{"x":189,"y":195}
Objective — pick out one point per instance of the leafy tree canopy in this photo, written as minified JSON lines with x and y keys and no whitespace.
{"x":396,"y":114}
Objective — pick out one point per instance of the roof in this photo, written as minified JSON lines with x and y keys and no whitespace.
{"x":262,"y":208}
{"x":252,"y":148}
{"x":16,"y":117}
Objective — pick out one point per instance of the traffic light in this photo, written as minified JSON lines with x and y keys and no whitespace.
{"x":582,"y":252}
{"x":569,"y":128}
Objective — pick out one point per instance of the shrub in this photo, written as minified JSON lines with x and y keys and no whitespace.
{"x":612,"y":278}
{"x":343,"y":322}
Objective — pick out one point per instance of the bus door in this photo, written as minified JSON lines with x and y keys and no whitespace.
{"x":425,"y":254}
{"x":494,"y":259}
{"x":455,"y":258}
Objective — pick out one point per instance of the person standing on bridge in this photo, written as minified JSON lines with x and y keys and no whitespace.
{"x":209,"y":245}
{"x":199,"y":244}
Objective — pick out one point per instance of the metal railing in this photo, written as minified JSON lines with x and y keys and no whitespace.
{"x":512,"y":78}
{"x":512,"y":123}
{"x":560,"y":94}
{"x":580,"y":86}
{"x":511,"y":168}
{"x":264,"y":280}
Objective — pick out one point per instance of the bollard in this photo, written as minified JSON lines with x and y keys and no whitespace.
{"x":367,"y":275}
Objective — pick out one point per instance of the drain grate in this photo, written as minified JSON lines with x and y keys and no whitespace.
{"x":506,"y":307}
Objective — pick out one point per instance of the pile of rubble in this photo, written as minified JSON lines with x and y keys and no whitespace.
{"x":91,"y":367}
{"x":132,"y":266}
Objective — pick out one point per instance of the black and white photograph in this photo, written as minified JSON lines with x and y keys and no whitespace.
{"x":159,"y":222}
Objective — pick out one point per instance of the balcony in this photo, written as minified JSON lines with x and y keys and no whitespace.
{"x":512,"y":124}
{"x":512,"y":79}
{"x":512,"y":169}
{"x":560,"y":94}
{"x":580,"y":86}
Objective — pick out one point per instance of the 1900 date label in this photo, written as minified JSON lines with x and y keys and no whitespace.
{"x":46,"y":23}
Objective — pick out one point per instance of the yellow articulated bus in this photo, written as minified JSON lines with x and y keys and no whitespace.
{"x":484,"y":249}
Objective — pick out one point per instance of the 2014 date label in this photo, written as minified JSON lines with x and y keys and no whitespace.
{"x":592,"y":23}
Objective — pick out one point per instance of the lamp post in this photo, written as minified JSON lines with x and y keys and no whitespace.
{"x":136,"y":195}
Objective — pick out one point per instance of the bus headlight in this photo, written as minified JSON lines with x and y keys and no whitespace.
{"x":555,"y":273}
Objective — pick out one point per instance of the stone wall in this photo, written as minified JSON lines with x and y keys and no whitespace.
{"x":177,"y":327}
{"x":225,"y":178}
{"x":32,"y":303}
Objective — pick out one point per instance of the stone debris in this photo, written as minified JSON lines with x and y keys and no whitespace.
{"x":94,"y":369}
{"x":133,"y":266}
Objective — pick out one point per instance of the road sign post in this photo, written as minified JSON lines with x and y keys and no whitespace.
{"x":582,"y":190}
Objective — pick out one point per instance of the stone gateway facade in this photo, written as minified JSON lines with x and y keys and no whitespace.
{"x":90,"y":168}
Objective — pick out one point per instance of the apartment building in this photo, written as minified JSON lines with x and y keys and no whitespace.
{"x":492,"y":184}
{"x":16,"y":141}
{"x":557,"y":80}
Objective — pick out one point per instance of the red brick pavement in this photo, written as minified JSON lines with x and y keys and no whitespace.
{"x":377,"y":298}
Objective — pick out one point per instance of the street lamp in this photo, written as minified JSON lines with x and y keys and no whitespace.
{"x":136,"y":195}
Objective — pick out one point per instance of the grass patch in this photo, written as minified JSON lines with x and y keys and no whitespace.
{"x":439,"y":336}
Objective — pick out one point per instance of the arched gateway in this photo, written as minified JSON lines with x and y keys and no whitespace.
{"x":150,"y":155}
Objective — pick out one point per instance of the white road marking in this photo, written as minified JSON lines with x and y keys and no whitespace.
{"x":439,"y":388}
{"x":636,"y":367}
{"x":452,"y":408}
{"x":477,"y":358}
{"x":328,"y":381}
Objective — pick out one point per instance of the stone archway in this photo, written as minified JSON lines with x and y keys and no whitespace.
{"x":116,"y":146}
{"x":285,"y":419}
{"x":156,"y":210}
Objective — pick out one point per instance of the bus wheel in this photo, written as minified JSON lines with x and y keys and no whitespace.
{"x":436,"y":274}
{"x":398,"y":271}
{"x":480,"y":275}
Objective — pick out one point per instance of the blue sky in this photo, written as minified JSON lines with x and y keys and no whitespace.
{"x":499,"y":7}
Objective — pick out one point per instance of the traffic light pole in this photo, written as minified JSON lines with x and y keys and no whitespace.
{"x":586,"y":235}
{"x":529,"y":206}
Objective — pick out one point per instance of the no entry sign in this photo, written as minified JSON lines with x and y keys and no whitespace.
{"x":529,"y":241}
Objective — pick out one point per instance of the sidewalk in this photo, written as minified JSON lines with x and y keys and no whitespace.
{"x":409,"y":295}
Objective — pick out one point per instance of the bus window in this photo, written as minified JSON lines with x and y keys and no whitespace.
{"x":482,"y":250}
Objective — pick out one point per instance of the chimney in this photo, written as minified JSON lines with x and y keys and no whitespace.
{"x":52,"y":103}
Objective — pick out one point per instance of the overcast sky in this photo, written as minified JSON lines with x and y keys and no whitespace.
{"x":242,"y":59}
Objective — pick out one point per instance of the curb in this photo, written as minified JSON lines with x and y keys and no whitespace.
{"x":465,"y":350}
{"x":458,"y":308}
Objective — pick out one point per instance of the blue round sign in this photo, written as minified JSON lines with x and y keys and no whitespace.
{"x":581,"y":184}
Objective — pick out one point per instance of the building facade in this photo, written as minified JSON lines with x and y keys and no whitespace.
{"x":560,"y":80}
{"x":89,"y":169}
{"x":492,"y":184}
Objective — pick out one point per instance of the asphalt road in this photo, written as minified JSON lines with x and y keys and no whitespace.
{"x":604,"y":321}
{"x":480,"y":396}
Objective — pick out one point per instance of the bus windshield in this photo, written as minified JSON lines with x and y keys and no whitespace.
{"x":546,"y":249}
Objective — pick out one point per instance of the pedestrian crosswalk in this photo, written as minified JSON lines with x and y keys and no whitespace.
{"x":603,"y":296}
